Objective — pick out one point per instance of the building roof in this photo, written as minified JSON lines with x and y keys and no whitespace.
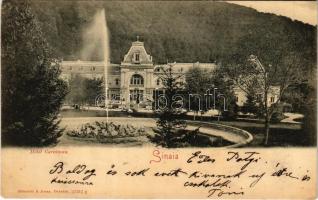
{"x":137,"y":47}
{"x":88,"y":67}
{"x":184,"y":67}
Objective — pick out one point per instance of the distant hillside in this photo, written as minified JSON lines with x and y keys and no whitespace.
{"x":175,"y":31}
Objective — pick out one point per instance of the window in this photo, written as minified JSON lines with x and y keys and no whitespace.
{"x":137,"y":80}
{"x":117,"y":81}
{"x":236,"y":99}
{"x":158,"y":81}
{"x":136,"y":95}
{"x":272,"y":99}
{"x":93,"y":68}
{"x":137,"y":57}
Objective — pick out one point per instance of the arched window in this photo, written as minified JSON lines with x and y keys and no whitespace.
{"x":117,"y":81}
{"x":158,"y":81}
{"x":137,"y":79}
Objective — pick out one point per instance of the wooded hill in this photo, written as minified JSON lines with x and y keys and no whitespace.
{"x":175,"y":31}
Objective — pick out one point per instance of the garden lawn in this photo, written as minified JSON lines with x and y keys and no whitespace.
{"x":281,"y":134}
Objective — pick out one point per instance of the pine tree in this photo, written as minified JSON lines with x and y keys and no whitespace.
{"x":250,"y":106}
{"x":168,"y":122}
{"x":32,"y":92}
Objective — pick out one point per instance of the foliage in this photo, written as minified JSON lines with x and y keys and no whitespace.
{"x":250,"y":106}
{"x":277,"y":117}
{"x":32,"y":92}
{"x":198,"y":82}
{"x":260,"y":110}
{"x":262,"y":74}
{"x":309,"y":125}
{"x":176,"y":31}
{"x":261,"y":63}
{"x":225,"y":96}
{"x":93,"y":87}
{"x":84,"y":90}
{"x":203,"y":84}
{"x":169,"y":115}
{"x":303,"y":98}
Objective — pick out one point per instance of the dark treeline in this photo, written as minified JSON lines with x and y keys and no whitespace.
{"x":173,"y":31}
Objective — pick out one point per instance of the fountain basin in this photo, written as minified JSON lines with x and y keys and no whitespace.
{"x":235,"y":137}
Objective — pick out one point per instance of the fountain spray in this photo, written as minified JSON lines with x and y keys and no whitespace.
{"x":105,"y":41}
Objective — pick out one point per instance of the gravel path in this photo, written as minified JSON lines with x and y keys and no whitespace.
{"x":291,"y":116}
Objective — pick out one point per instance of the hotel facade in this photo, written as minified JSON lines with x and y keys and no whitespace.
{"x":137,"y":79}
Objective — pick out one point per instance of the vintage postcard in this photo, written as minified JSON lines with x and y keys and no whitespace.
{"x":159,"y":99}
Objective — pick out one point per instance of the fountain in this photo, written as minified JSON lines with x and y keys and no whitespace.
{"x":95,"y":38}
{"x":102,"y":23}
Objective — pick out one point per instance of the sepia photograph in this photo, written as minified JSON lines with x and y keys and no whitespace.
{"x":180,"y":86}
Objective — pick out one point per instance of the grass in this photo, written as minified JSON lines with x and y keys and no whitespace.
{"x":281,"y":134}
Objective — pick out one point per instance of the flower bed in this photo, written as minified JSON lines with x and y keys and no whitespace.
{"x":102,"y":131}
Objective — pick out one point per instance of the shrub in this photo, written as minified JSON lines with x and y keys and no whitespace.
{"x":277,"y":117}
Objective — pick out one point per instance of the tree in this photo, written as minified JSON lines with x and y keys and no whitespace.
{"x":309,"y":125}
{"x":304,"y":95}
{"x":93,"y":88}
{"x":219,"y":25}
{"x":169,"y":122}
{"x":76,"y":90}
{"x":202,"y":84}
{"x":225,"y":99}
{"x":198,"y":83}
{"x":250,"y":106}
{"x":32,"y":92}
{"x":253,"y":74}
{"x":84,"y":90}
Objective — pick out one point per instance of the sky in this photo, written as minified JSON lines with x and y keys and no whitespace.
{"x":305,"y":11}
